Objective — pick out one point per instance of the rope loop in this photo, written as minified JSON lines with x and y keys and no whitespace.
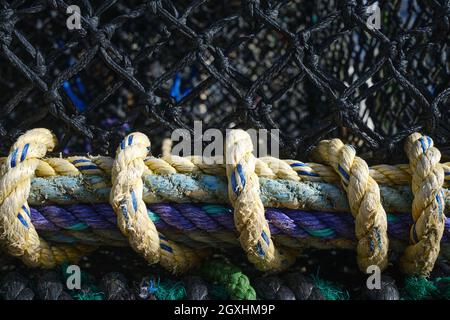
{"x":243,"y":192}
{"x":132,"y":215}
{"x":18,"y":234}
{"x":428,"y":205}
{"x":364,"y":200}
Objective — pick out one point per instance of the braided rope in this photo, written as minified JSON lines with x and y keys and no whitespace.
{"x":364,"y":200}
{"x":133,"y":221}
{"x":428,"y":205}
{"x":17,"y":231}
{"x":243,"y":192}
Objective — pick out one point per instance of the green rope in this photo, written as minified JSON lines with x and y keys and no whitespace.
{"x":420,"y":288}
{"x":170,"y":290}
{"x":330,"y":290}
{"x":235,"y":282}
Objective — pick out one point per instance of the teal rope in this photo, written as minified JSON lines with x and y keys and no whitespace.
{"x":170,"y":290}
{"x":182,"y":188}
{"x":420,"y":288}
{"x":330,"y":290}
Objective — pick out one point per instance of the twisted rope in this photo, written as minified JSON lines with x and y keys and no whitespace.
{"x":126,"y":197}
{"x":364,"y":200}
{"x":133,"y":221}
{"x":85,"y":180}
{"x":243,"y":192}
{"x":98,"y":224}
{"x":265,"y":167}
{"x":17,"y":232}
{"x":181,"y":188}
{"x":428,"y":205}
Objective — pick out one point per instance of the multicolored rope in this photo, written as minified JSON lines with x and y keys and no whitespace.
{"x":132,"y":181}
{"x":199,"y":226}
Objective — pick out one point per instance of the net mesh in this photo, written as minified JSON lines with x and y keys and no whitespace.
{"x":313,"y":69}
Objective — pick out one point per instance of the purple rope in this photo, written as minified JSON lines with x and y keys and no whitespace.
{"x":198,"y":217}
{"x":279,"y":222}
{"x":187,"y":218}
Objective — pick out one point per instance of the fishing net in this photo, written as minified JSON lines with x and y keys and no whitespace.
{"x":312,"y":69}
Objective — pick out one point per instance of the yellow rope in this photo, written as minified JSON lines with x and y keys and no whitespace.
{"x":17,"y":232}
{"x":20,"y":238}
{"x":364,"y":199}
{"x":267,"y":167}
{"x":132,"y":216}
{"x":243,"y":191}
{"x":428,"y":206}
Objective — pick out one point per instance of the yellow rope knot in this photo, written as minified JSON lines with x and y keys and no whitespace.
{"x":243,"y":192}
{"x":132,"y":217}
{"x":17,"y":231}
{"x":364,"y":200}
{"x":428,"y":205}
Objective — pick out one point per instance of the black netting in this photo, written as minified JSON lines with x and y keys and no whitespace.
{"x":313,"y":69}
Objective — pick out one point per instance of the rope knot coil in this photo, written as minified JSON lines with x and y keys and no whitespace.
{"x":243,"y":192}
{"x":364,"y":200}
{"x":132,"y":215}
{"x":428,"y":205}
{"x":17,"y":231}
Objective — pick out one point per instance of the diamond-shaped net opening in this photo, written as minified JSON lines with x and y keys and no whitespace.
{"x":313,"y":69}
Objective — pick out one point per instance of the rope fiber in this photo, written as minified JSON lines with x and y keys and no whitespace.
{"x":368,"y":103}
{"x":251,"y":220}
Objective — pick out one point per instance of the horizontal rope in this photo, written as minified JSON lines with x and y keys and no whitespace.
{"x":332,"y":106}
{"x":206,"y":225}
{"x":266,"y":167}
{"x":181,"y":188}
{"x":79,"y":180}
